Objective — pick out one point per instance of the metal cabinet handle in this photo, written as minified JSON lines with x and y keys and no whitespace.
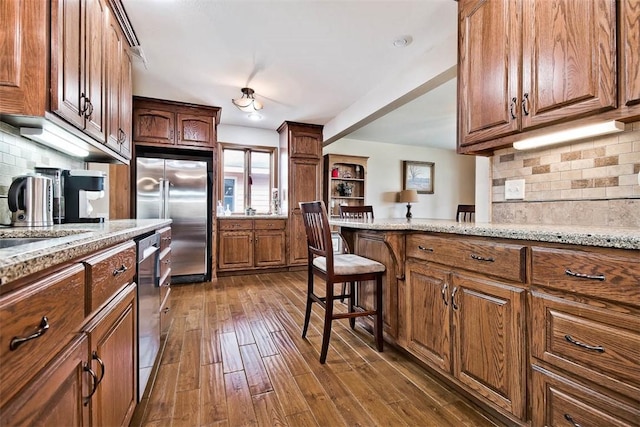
{"x":599,"y":277}
{"x":445,"y":286}
{"x":84,"y":105}
{"x":453,"y":296}
{"x":598,"y":348}
{"x":525,"y":104}
{"x":42,"y":328}
{"x":120,"y":270}
{"x":87,"y":368}
{"x":479,"y":258}
{"x":167,"y":261}
{"x":422,"y":248}
{"x":94,"y":356}
{"x":570,"y":419}
{"x":512,"y":107}
{"x":166,"y":310}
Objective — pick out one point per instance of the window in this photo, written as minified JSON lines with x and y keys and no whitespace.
{"x":248,"y":177}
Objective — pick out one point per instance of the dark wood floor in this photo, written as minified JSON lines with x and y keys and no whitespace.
{"x":235,"y":357}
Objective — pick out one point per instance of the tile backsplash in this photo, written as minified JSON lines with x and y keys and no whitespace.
{"x":18,"y":156}
{"x":593,"y":182}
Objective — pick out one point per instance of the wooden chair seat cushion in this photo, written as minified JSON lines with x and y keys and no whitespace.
{"x":348,"y":264}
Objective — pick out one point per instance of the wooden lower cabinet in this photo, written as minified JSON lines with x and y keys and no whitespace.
{"x":113,"y":341}
{"x":559,"y":401}
{"x":269,"y":248}
{"x":245,"y":244}
{"x":471,"y":328}
{"x":235,"y":250}
{"x":57,"y":396}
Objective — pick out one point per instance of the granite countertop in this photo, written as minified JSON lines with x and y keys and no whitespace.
{"x":256,"y":216}
{"x":65,"y":242}
{"x":607,"y":237}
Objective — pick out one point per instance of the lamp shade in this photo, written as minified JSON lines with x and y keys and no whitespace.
{"x":408,"y":196}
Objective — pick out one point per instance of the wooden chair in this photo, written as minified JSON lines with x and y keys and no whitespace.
{"x":336,"y":268}
{"x":466,"y":213}
{"x":360,"y":212}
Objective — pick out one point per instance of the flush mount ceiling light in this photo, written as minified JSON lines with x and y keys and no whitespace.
{"x":247,"y":103}
{"x":403,"y":41}
{"x":568,"y":135}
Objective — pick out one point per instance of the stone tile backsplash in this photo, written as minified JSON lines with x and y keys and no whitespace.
{"x":593,"y":182}
{"x":18,"y":156}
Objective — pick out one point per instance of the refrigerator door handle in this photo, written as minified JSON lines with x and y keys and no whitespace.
{"x":162,"y":201}
{"x":167,"y":186}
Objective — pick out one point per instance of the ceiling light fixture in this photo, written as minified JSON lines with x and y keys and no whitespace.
{"x":568,"y":135}
{"x":254,"y":116}
{"x":247,"y":103}
{"x":403,"y":41}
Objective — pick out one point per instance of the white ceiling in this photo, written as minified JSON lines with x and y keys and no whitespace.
{"x":310,"y":61}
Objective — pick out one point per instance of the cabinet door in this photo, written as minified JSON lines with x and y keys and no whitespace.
{"x":67,"y":60}
{"x":630,"y":40}
{"x":114,"y":50}
{"x":235,"y":250}
{"x":428,"y":313}
{"x":153,"y":126}
{"x":488,"y":69}
{"x":94,"y":82}
{"x":304,"y":186}
{"x":306,"y":144}
{"x":489,"y":337}
{"x":373,"y":246}
{"x":126,"y":101}
{"x":113,"y":358}
{"x":23,"y":51}
{"x":568,"y":59}
{"x":56,"y":396}
{"x":298,"y":248}
{"x":195,"y":130}
{"x":269,"y":248}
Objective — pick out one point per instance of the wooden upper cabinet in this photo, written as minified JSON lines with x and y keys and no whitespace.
{"x":629,"y":52}
{"x":568,"y":60}
{"x":179,"y":124}
{"x":527,"y":64}
{"x":126,"y":98}
{"x":77,"y":65}
{"x":23,"y":77}
{"x":489,"y":70}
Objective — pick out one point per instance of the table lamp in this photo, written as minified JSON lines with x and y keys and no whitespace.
{"x":408,"y":196}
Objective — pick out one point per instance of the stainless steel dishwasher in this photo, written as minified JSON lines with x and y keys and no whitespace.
{"x":148,"y":308}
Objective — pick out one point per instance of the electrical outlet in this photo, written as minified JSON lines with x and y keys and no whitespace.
{"x":514,"y":189}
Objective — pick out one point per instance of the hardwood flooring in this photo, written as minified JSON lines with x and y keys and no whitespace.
{"x":234,"y":357}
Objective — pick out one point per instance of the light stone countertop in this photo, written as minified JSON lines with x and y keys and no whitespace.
{"x":607,"y":237}
{"x":256,"y":216}
{"x":65,"y":242}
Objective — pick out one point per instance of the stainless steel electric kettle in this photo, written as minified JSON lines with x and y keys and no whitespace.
{"x":31,"y":201}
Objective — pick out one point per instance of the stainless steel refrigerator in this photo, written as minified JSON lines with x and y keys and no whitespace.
{"x":179,"y":188}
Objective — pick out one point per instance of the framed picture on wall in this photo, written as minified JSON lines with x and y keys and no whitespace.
{"x":418,"y":176}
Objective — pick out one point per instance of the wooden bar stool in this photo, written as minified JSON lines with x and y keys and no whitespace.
{"x":465,"y":213}
{"x":336,"y":268}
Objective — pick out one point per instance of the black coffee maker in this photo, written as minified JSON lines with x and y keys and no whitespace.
{"x":80,"y":187}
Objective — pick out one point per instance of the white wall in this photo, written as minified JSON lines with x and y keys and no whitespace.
{"x":248,"y":136}
{"x":454,"y":180}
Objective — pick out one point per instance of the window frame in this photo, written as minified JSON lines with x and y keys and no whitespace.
{"x":248,"y":149}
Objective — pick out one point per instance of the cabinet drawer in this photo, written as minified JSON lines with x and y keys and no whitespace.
{"x":166,"y":314}
{"x":108,"y":272}
{"x":269,"y":224}
{"x":235,"y":224}
{"x":165,"y":238}
{"x":558,"y":401}
{"x":594,"y":343}
{"x":612,"y":277}
{"x":165,"y":267}
{"x":495,"y":259}
{"x":60,"y":298}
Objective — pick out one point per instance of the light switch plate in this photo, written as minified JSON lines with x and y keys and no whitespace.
{"x":514,"y":189}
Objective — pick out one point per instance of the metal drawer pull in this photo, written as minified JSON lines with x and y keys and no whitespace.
{"x":422,"y":248}
{"x":88,"y":369}
{"x":512,"y":107}
{"x":445,"y":286}
{"x":94,"y":356}
{"x":42,"y":328}
{"x":479,"y":258}
{"x":584,"y":276}
{"x":570,"y":419}
{"x":122,"y":269}
{"x":453,"y":296}
{"x":598,"y":348}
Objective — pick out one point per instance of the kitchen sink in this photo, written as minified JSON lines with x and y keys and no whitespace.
{"x":8,"y":242}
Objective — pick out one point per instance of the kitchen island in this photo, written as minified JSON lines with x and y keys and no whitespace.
{"x":535,"y":323}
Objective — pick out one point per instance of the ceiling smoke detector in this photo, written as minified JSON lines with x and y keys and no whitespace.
{"x":403,"y":41}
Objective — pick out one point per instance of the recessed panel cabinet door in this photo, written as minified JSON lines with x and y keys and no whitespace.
{"x":195,"y":130}
{"x":153,"y":125}
{"x":489,"y":340}
{"x":568,"y":59}
{"x":94,"y":81}
{"x":630,"y":39}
